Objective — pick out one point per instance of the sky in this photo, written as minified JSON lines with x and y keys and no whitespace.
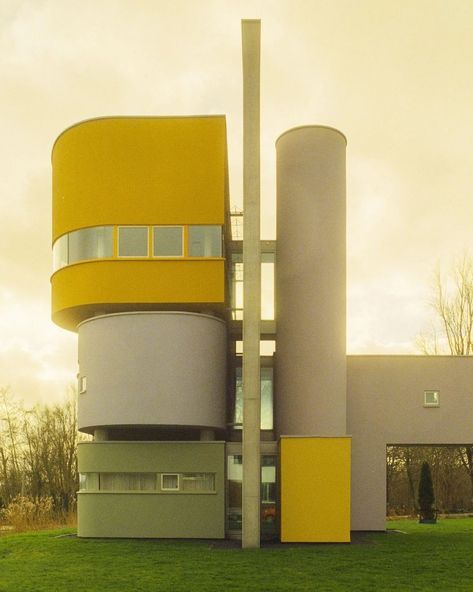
{"x":395,"y":76}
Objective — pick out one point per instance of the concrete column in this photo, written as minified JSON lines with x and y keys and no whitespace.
{"x":251,"y":284}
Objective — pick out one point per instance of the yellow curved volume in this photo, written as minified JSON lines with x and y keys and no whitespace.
{"x":138,"y":171}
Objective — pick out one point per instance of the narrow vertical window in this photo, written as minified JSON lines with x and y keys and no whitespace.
{"x":267,"y":286}
{"x":82,"y":384}
{"x":61,"y":252}
{"x":266,"y":378}
{"x":268,"y":495}
{"x":237,"y":287}
{"x":266,"y":398}
{"x":234,"y":480}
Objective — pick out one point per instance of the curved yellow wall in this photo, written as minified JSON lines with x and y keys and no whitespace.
{"x":139,"y":170}
{"x":79,"y":291}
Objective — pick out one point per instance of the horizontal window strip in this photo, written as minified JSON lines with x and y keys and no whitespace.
{"x":148,"y":482}
{"x":137,"y":242}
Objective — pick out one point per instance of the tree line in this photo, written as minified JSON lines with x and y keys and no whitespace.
{"x":38,"y":458}
{"x":452,"y":477}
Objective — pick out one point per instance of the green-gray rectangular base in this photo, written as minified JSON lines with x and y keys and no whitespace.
{"x":152,"y":514}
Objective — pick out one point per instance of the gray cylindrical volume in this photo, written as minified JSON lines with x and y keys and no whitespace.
{"x":311,"y":282}
{"x":152,"y":369}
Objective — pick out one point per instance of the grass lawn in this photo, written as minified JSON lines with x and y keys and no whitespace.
{"x":422,"y":557}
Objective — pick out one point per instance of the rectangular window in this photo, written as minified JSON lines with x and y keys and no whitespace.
{"x":133,"y":241}
{"x":268,"y":478}
{"x":198,"y":482}
{"x":266,"y":377}
{"x":267,"y":286}
{"x":127,"y":481}
{"x":89,"y":481}
{"x":234,"y":492}
{"x":168,"y":241}
{"x":170,"y":482}
{"x":205,"y":241}
{"x":90,"y":243}
{"x":268,"y":494}
{"x":150,"y":482}
{"x":266,"y":381}
{"x":431,"y":398}
{"x":61,"y":252}
{"x":237,"y":287}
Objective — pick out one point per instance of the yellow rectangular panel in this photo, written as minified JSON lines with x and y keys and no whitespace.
{"x":315,"y":489}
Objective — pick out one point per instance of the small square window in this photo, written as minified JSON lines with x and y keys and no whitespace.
{"x":170,"y":482}
{"x":132,"y":241}
{"x":431,"y":398}
{"x":167,"y":241}
{"x":205,"y":241}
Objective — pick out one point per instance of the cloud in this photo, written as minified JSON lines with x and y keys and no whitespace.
{"x":37,"y":360}
{"x":395,"y":77}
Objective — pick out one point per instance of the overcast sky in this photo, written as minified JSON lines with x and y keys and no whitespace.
{"x":395,"y":76}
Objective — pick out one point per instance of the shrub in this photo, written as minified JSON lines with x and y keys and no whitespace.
{"x":426,"y":494}
{"x":26,"y":513}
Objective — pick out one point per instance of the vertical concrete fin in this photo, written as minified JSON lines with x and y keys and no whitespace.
{"x":252,"y":284}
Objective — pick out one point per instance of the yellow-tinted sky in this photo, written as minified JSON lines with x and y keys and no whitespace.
{"x":396,"y":76}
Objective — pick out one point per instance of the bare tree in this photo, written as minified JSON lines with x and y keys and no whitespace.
{"x":10,"y":433}
{"x":465,"y":454}
{"x":452,"y":303}
{"x":38,"y":452}
{"x":451,"y":484}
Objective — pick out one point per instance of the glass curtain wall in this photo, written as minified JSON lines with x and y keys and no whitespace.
{"x":267,"y":286}
{"x":268,"y":494}
{"x":266,"y":378}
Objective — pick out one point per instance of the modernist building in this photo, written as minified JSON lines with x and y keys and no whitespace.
{"x":149,"y":275}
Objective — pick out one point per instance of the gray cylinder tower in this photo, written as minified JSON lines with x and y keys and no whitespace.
{"x":154,"y":368}
{"x":311,"y":282}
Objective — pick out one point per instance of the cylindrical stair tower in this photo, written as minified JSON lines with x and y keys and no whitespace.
{"x":311,"y":282}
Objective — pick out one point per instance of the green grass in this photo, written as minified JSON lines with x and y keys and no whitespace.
{"x":422,"y":557}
